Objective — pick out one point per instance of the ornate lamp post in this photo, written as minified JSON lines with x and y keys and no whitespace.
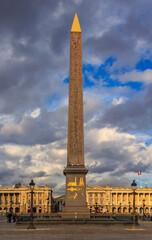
{"x":96,"y":207}
{"x":32,"y":184}
{"x":47,"y":205}
{"x":120,"y":208}
{"x":133,"y":185}
{"x":11,"y":202}
{"x":112,"y":208}
{"x":143,"y":209}
{"x":129,"y":206}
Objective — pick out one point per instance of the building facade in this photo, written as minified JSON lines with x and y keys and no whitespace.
{"x":18,"y":199}
{"x":119,"y":200}
{"x":115,"y":200}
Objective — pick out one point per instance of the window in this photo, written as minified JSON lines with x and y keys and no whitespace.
{"x":34,"y":194}
{"x":34,"y":201}
{"x":40,"y":201}
{"x":90,"y":201}
{"x":96,"y":194}
{"x":101,"y":201}
{"x":29,"y":202}
{"x":40,"y":194}
{"x":6,"y":202}
{"x":90,"y":194}
{"x":101,"y":194}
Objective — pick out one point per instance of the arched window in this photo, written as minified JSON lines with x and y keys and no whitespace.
{"x":124,"y":210}
{"x":147,"y":210}
{"x":17,"y":210}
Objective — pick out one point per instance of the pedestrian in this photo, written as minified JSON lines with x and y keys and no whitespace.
{"x":9,"y":216}
{"x":14,"y":217}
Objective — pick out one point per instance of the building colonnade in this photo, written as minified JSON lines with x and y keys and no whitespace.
{"x":18,"y":200}
{"x":119,"y":200}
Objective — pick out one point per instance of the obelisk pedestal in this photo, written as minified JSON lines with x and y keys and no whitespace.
{"x":75,"y":171}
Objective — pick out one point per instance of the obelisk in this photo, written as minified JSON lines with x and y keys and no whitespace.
{"x":75,"y":171}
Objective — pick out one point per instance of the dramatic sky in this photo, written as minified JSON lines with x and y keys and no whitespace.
{"x":117,"y":79}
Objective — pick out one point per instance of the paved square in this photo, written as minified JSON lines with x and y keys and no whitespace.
{"x":11,"y":231}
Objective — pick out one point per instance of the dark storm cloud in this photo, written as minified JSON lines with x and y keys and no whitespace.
{"x":35,"y":175}
{"x":6,"y":174}
{"x":27,"y":35}
{"x":115,"y":157}
{"x":136,"y":114}
{"x":130,"y":166}
{"x":35,"y":37}
{"x":112,"y":181}
{"x":35,"y":43}
{"x":48,"y":127}
{"x":27,"y":160}
{"x":110,"y":157}
{"x":112,"y":43}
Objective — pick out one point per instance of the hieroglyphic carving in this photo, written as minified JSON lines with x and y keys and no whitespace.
{"x":76,"y":188}
{"x":75,"y":122}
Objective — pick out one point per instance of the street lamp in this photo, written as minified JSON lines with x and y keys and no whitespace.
{"x":11,"y":202}
{"x":112,"y":208}
{"x":47,"y":205}
{"x":96,"y":207}
{"x":143,"y":209}
{"x":134,"y":184}
{"x":120,"y":207}
{"x":31,"y":226}
{"x":129,"y":206}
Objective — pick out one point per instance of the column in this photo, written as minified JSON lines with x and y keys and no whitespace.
{"x":111,"y":201}
{"x":9,"y":201}
{"x":138,"y":200}
{"x":37,"y":201}
{"x":21,"y":202}
{"x":93,"y":200}
{"x":43,"y":206}
{"x":3,"y":200}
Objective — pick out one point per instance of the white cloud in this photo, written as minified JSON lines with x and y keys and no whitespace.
{"x":136,"y":76}
{"x":117,"y":101}
{"x":36,"y":113}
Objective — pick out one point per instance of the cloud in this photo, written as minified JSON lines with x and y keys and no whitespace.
{"x":112,"y":181}
{"x":35,"y":48}
{"x":136,"y":76}
{"x":135,"y":114}
{"x":36,"y":128}
{"x":35,"y":44}
{"x":116,"y":153}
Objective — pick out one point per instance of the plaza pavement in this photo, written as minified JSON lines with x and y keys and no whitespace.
{"x":11,"y":231}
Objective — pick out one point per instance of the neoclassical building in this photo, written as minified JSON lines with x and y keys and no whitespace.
{"x":119,"y":199}
{"x":99,"y":198}
{"x":18,"y":199}
{"x":115,"y":200}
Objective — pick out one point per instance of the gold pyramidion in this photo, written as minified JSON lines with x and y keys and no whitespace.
{"x":76,"y":25}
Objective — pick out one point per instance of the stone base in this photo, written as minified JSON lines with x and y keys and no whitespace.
{"x":76,"y":213}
